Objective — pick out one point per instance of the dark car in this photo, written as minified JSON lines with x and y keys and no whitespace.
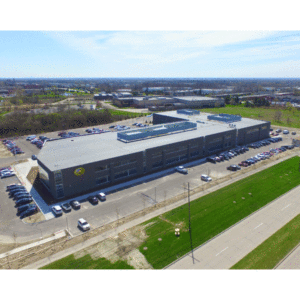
{"x":25,"y":207}
{"x":66,"y":207}
{"x":15,"y":188}
{"x":23,"y":201}
{"x":294,"y":133}
{"x":15,"y":191}
{"x":23,"y":197}
{"x":75,"y":204}
{"x":93,"y":199}
{"x":233,"y":168}
{"x":211,"y":159}
{"x":21,"y":192}
{"x":112,"y":126}
{"x":27,"y":212}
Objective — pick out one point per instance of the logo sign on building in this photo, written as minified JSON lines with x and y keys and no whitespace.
{"x":79,"y":171}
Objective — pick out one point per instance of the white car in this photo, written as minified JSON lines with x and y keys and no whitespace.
{"x":29,"y":138}
{"x":57,"y":210}
{"x":83,"y":224}
{"x":181,"y":169}
{"x":285,"y":132}
{"x":101,"y":196}
{"x":205,"y":177}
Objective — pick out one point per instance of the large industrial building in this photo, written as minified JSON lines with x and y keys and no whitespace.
{"x":77,"y":165}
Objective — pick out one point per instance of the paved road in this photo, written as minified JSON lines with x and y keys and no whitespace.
{"x":228,"y":248}
{"x":292,"y":261}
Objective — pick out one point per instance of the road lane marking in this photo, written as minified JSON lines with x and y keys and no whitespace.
{"x":259,"y":225}
{"x":286,"y":206}
{"x":221,"y":251}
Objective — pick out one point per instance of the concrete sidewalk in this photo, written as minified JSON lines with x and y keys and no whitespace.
{"x":116,"y":231}
{"x":57,"y":235}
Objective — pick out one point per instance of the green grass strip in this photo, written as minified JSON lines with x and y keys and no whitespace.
{"x":268,"y":254}
{"x":86,"y":262}
{"x":217,"y":211}
{"x":289,"y":118}
{"x":127,"y":113}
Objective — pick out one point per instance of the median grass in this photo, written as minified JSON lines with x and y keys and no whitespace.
{"x":213,"y":213}
{"x":289,"y":118}
{"x":86,"y":262}
{"x":268,"y":254}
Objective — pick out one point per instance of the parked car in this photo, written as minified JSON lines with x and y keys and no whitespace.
{"x":66,"y":207}
{"x":25,"y":207}
{"x":285,"y":131}
{"x":83,"y":224}
{"x":31,"y":137}
{"x":278,"y":130}
{"x":181,"y":169}
{"x":75,"y":204}
{"x":93,"y":199}
{"x":233,"y":168}
{"x":211,"y":159}
{"x":101,"y":196}
{"x":7,"y":175}
{"x":57,"y":210}
{"x":22,"y":202}
{"x":15,"y":188}
{"x":205,"y":177}
{"x":293,"y":132}
{"x":28,"y":212}
{"x":34,"y":157}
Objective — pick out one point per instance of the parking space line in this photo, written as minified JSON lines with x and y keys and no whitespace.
{"x":286,"y":207}
{"x":222,"y":251}
{"x":259,"y":225}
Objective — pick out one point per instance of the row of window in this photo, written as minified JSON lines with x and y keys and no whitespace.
{"x":103,"y":180}
{"x":125,"y":173}
{"x":124,"y":162}
{"x":176,"y":159}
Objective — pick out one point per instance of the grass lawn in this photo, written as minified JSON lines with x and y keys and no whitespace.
{"x":126,"y":113}
{"x":274,"y":249}
{"x":86,"y":262}
{"x":266,"y":114}
{"x":213,"y":213}
{"x":3,"y":113}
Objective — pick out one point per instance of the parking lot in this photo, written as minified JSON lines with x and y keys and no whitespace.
{"x":133,"y":198}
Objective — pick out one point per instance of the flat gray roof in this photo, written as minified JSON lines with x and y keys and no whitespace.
{"x":194,"y":98}
{"x":72,"y":152}
{"x":245,"y":122}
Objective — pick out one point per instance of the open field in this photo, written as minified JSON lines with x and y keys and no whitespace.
{"x":289,"y":118}
{"x":86,"y":262}
{"x":268,"y":254}
{"x":126,"y":113}
{"x":213,"y":213}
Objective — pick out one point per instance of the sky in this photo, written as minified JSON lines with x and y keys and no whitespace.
{"x":149,"y":43}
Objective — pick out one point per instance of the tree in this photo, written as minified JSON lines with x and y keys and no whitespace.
{"x":227,"y":99}
{"x":277,"y":116}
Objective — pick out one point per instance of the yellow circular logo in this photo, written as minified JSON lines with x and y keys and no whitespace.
{"x":79,"y":171}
